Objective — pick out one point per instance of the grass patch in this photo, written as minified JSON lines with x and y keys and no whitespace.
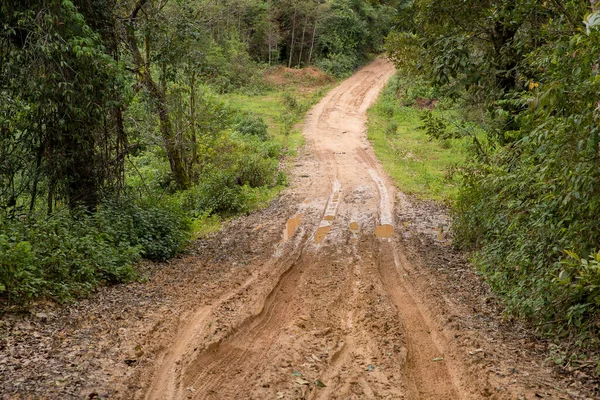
{"x":282,"y":107}
{"x":417,"y":163}
{"x":204,"y":225}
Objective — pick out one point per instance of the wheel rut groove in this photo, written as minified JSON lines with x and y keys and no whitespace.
{"x":333,"y":317}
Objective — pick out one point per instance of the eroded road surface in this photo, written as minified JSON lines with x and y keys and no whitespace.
{"x":327,"y":305}
{"x":338,"y":321}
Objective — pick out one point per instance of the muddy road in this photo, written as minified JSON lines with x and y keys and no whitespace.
{"x":343,"y":288}
{"x":339,"y":320}
{"x":328,"y":311}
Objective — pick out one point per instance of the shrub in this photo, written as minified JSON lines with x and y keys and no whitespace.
{"x":61,"y":256}
{"x":251,"y":125}
{"x":338,"y":65}
{"x":290,"y":101}
{"x":159,"y":227}
{"x":18,"y":277}
{"x":217,"y":193}
{"x":256,"y":170}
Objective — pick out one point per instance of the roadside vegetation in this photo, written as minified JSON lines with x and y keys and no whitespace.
{"x":526,"y":73}
{"x":415,"y":137}
{"x":128,"y":128}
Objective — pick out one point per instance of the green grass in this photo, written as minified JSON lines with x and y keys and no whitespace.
{"x":204,"y":225}
{"x":280,"y":118}
{"x":417,"y":164}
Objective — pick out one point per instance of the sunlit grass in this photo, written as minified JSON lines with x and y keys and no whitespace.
{"x":282,"y":120}
{"x":417,"y":164}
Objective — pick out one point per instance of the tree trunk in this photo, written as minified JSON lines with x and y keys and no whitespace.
{"x":160,"y":103}
{"x":312,"y":43}
{"x":193,"y":123}
{"x":302,"y":41}
{"x":269,"y":46}
{"x":293,"y":34}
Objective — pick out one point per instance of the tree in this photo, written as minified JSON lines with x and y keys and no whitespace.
{"x":143,"y":71}
{"x":59,"y":84}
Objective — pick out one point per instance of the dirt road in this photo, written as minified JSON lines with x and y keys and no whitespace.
{"x":343,"y":288}
{"x":329,"y":315}
{"x":340,"y":321}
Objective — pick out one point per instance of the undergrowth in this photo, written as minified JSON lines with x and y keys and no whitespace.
{"x":416,"y":151}
{"x":243,"y":138}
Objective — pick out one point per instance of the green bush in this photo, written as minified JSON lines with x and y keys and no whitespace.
{"x":159,"y":227}
{"x":290,"y":101}
{"x":256,"y":170}
{"x":251,"y":125}
{"x":338,"y":65}
{"x":287,"y":119}
{"x":60,"y":256}
{"x":18,"y":277}
{"x":218,"y":192}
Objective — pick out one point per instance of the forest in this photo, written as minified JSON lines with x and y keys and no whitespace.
{"x":117,"y":142}
{"x":525,"y":73}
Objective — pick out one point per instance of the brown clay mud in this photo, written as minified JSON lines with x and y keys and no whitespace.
{"x":331,"y":292}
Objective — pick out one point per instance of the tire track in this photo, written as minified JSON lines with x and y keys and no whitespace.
{"x":339,"y":322}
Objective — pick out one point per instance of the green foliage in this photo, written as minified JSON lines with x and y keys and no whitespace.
{"x":537,"y":198}
{"x":18,"y":274}
{"x":351,"y":30}
{"x":62,"y":256}
{"x":290,"y":101}
{"x":67,"y":255}
{"x":338,"y":64}
{"x":580,"y":297}
{"x":417,"y":164}
{"x":160,"y":228}
{"x":251,"y":125}
{"x":56,"y":82}
{"x":436,"y":128}
{"x":217,"y":193}
{"x":256,"y":170}
{"x":228,"y":66}
{"x":526,"y":72}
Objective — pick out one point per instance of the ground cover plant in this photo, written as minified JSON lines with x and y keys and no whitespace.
{"x":414,"y":153}
{"x":526,"y":73}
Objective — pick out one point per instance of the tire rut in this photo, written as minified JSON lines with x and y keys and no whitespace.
{"x":340,"y":322}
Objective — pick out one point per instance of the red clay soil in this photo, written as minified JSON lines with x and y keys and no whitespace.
{"x":309,"y":76}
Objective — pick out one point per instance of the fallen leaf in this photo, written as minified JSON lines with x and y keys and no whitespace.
{"x":319,"y":383}
{"x":301,"y":381}
{"x":438,"y":359}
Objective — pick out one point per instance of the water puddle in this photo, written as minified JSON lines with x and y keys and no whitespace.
{"x":321,"y":233}
{"x":291,"y":226}
{"x":384,"y":231}
{"x":354,"y":229}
